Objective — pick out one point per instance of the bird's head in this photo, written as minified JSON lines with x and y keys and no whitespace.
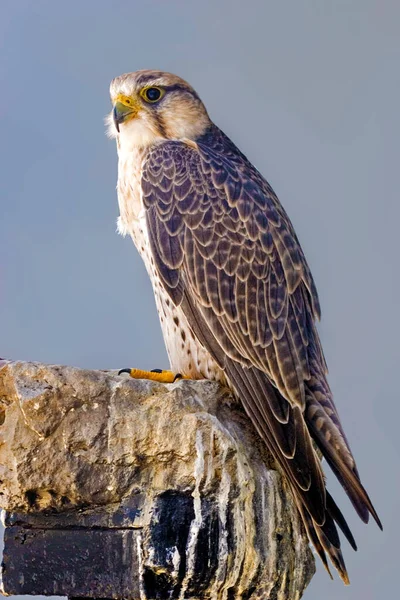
{"x":151,"y":106}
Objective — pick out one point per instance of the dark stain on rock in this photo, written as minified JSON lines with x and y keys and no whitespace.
{"x":170,"y":528}
{"x":206,"y":562}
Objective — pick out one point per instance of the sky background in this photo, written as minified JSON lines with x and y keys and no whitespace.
{"x":310,"y":91}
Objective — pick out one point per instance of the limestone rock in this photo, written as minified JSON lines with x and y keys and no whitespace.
{"x":136,"y":489}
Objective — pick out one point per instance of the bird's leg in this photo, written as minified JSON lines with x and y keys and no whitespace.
{"x":154,"y":375}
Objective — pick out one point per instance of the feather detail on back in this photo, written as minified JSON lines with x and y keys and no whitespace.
{"x":227,"y":255}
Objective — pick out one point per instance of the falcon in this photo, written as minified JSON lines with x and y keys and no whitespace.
{"x":235,"y":296}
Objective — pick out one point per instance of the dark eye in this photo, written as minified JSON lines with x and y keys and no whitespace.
{"x":152,"y":94}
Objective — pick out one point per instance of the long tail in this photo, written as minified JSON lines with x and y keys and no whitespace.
{"x":289,"y":435}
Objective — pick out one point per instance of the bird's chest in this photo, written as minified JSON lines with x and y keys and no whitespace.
{"x":130,"y":166}
{"x":186,"y":354}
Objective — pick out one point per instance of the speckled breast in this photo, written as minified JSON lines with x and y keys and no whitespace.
{"x":186,"y":355}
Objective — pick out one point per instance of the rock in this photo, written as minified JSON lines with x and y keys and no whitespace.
{"x":122,"y":488}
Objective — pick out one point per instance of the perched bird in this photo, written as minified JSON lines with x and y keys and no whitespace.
{"x":235,"y":296}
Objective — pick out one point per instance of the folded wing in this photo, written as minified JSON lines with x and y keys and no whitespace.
{"x":227,"y":253}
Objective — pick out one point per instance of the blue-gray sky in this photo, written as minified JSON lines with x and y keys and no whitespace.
{"x":310,"y":91}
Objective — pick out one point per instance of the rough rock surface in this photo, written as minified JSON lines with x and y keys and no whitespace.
{"x":122,"y":488}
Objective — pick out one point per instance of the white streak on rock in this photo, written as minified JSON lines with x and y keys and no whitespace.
{"x":198,"y":520}
{"x":223,"y":501}
{"x":176,"y":561}
{"x":247,"y":560}
{"x":140,"y":566}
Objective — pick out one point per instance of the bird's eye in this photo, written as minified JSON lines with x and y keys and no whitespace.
{"x":152,"y":94}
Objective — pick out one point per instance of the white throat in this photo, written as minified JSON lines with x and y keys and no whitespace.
{"x":136,"y":134}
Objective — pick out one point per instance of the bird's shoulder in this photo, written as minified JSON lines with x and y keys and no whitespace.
{"x":211,"y":161}
{"x":213,"y":191}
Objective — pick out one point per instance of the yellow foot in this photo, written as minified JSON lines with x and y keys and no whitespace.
{"x":154,"y":375}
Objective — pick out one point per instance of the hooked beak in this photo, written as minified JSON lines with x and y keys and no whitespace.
{"x":124,"y":110}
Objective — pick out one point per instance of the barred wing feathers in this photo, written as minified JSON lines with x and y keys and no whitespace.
{"x":226,"y":252}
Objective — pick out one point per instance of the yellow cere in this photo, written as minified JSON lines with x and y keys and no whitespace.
{"x":126,"y":101}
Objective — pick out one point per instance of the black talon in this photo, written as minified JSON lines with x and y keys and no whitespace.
{"x":177,"y":376}
{"x":156,"y":371}
{"x":124,"y":371}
